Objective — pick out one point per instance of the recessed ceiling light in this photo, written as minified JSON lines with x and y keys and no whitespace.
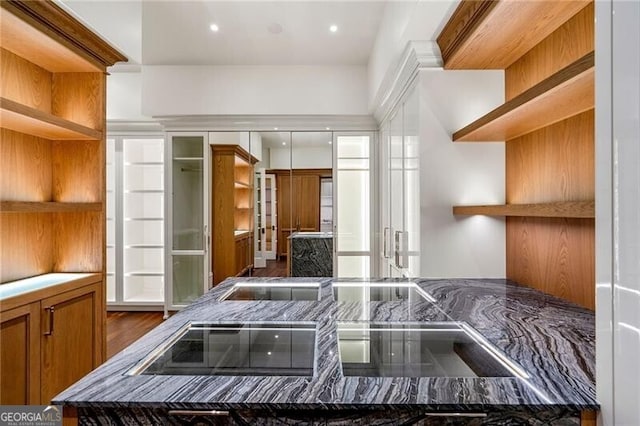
{"x":333,"y":28}
{"x":275,"y":128}
{"x":284,"y":143}
{"x":328,"y":128}
{"x":330,"y":142}
{"x":214,"y":27}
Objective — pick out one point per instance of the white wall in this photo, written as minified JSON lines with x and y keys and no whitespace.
{"x":402,"y":22}
{"x":124,"y":97}
{"x":459,"y":173}
{"x":192,"y":90}
{"x":618,"y":211}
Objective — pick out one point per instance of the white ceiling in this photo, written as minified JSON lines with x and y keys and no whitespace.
{"x":177,"y":32}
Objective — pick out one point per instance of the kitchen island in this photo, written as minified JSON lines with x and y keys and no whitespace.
{"x":550,"y":342}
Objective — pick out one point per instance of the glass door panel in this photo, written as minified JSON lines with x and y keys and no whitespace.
{"x":411,"y":177}
{"x":187,"y":273}
{"x":396,"y":194}
{"x":353,"y":205}
{"x":111,"y":220}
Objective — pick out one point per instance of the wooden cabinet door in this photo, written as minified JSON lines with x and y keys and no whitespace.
{"x":72,"y":324}
{"x":307,"y":210}
{"x":20,"y":355}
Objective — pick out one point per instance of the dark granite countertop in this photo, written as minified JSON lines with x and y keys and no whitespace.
{"x":551,"y":339}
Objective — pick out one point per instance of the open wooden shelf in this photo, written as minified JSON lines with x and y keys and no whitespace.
{"x":48,"y":207}
{"x":46,"y":35}
{"x":490,"y":34}
{"x":564,"y":94}
{"x":24,"y":119}
{"x":567,"y":209}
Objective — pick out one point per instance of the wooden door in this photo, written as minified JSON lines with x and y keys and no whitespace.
{"x":307,"y":210}
{"x":284,"y":212}
{"x":72,"y":338}
{"x":20,"y":355}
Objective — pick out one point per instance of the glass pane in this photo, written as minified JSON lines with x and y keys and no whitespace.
{"x":143,"y":205}
{"x":353,"y":211}
{"x":353,"y":146}
{"x":187,"y":200}
{"x":141,"y":260}
{"x":187,"y":279}
{"x":147,"y":232}
{"x":353,"y":163}
{"x":144,"y":177}
{"x":111,"y":287}
{"x":353,"y":267}
{"x":396,"y":177}
{"x":143,"y":289}
{"x":143,"y":151}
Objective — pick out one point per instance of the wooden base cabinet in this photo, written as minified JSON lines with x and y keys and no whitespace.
{"x":20,"y":355}
{"x":49,"y":344}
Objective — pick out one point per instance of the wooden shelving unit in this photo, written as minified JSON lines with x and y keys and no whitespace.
{"x":564,"y":94}
{"x":232,"y":211}
{"x":546,"y":49}
{"x":24,"y":119}
{"x":489,"y":34}
{"x":564,"y":209}
{"x":52,"y":199}
{"x":48,"y":207}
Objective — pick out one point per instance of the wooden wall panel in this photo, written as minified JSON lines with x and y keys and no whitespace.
{"x":24,"y":82}
{"x":555,"y":163}
{"x":79,"y":97}
{"x":567,"y":44}
{"x":25,"y":167}
{"x":78,"y":242}
{"x":556,"y":256}
{"x":78,"y":171}
{"x":26,"y":246}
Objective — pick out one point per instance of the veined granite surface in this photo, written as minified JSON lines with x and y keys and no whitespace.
{"x":551,"y":339}
{"x":311,"y":254}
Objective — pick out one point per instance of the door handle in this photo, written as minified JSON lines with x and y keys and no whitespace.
{"x":49,"y":331}
{"x":206,"y":238}
{"x":264,"y":231}
{"x":385,"y":242}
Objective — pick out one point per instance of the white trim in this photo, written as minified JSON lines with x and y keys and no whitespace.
{"x":115,"y":127}
{"x":417,"y":55}
{"x":267,"y":122}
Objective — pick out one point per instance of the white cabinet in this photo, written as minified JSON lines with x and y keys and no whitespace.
{"x":423,"y":174}
{"x":135,"y":221}
{"x":187,"y":270}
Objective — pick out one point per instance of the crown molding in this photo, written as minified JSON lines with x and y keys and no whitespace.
{"x":417,"y":55}
{"x":268,"y":122}
{"x":125,"y":126}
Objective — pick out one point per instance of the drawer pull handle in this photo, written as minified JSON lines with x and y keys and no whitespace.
{"x":49,"y":332}
{"x":198,"y":413}
{"x":455,"y":414}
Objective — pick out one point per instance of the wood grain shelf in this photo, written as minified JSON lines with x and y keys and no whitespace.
{"x":566,"y":209}
{"x":24,"y":119}
{"x":47,"y":207}
{"x":490,"y":34}
{"x":564,"y":94}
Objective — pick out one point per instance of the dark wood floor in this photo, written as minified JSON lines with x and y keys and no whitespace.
{"x":275,"y":268}
{"x":124,"y":328}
